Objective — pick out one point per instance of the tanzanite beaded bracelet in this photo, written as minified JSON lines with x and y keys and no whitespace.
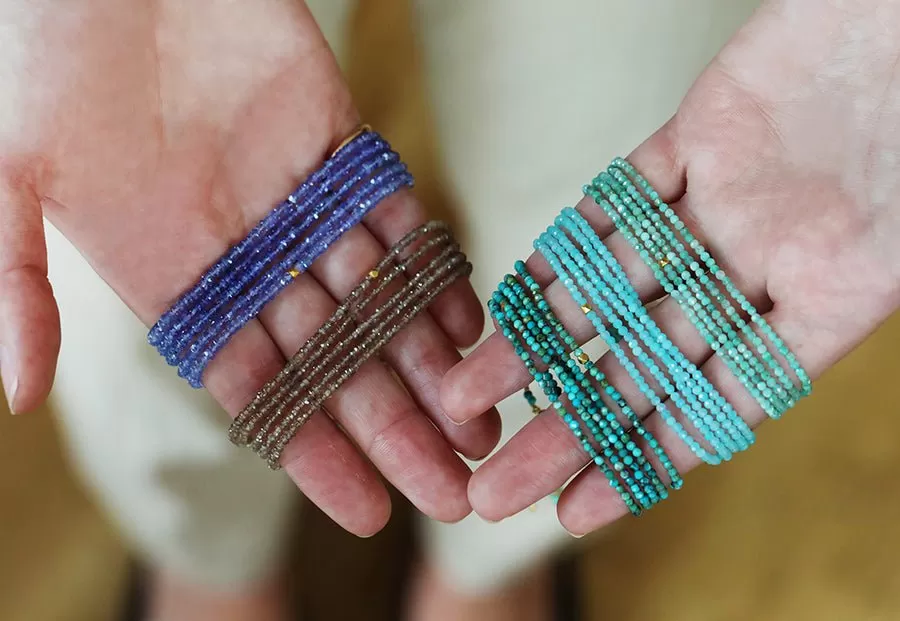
{"x":367,"y":319}
{"x":362,"y":172}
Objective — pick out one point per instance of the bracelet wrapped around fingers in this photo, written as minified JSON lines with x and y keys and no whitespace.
{"x":413,"y":272}
{"x":362,"y":172}
{"x":594,"y":411}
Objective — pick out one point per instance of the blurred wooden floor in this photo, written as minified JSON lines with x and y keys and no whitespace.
{"x":805,"y":526}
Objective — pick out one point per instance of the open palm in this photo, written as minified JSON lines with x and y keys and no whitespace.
{"x":783,"y":161}
{"x":154,"y":136}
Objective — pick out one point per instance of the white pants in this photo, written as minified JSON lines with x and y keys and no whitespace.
{"x":531,"y":98}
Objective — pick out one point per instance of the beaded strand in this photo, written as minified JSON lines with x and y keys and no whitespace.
{"x":695,"y":397}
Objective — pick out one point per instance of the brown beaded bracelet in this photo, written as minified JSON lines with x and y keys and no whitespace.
{"x":364,"y":322}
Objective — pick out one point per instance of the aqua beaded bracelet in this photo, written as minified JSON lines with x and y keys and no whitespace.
{"x":527,"y":321}
{"x":591,"y":271}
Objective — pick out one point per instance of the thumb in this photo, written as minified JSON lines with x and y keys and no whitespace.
{"x":29,"y":319}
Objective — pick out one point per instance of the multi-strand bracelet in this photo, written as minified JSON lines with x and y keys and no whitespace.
{"x":589,"y":270}
{"x":526,"y":319}
{"x":688,"y":273}
{"x":594,"y":410}
{"x":414,"y":271}
{"x":361,"y":173}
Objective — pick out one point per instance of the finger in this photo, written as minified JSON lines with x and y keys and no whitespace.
{"x":329,"y":471}
{"x":371,"y":406}
{"x":494,"y":371}
{"x":420,"y":354}
{"x":586,"y":506}
{"x":321,"y":460}
{"x":29,"y":319}
{"x":657,"y":159}
{"x":457,"y":311}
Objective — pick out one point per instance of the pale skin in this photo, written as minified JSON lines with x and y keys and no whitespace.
{"x":783,"y":159}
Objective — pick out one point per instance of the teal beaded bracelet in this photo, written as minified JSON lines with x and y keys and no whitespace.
{"x":639,"y":213}
{"x":526,"y":320}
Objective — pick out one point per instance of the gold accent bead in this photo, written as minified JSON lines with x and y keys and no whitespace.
{"x":373,"y":274}
{"x":586,"y":309}
{"x":583,"y":358}
{"x":662,"y":262}
{"x":362,"y":129}
{"x":293,"y":273}
{"x":536,"y":409}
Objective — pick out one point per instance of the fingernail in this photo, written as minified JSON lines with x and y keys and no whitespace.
{"x":574,"y":536}
{"x":9,"y":378}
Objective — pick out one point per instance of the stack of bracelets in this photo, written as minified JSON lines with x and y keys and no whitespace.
{"x":595,"y":410}
{"x":359,"y":174}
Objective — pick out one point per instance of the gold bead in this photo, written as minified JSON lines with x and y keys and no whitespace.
{"x":536,"y":409}
{"x":583,"y":358}
{"x":362,"y":129}
{"x":662,"y":262}
{"x":586,"y":309}
{"x":293,"y":273}
{"x":373,"y":274}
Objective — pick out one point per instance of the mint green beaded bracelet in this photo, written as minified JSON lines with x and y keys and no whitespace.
{"x":644,"y":220}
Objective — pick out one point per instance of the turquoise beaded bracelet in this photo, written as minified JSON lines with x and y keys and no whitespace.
{"x":525,"y":318}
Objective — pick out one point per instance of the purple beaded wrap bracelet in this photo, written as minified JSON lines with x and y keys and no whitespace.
{"x":360,"y":174}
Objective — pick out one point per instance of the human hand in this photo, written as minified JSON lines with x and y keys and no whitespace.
{"x":154,"y":136}
{"x":782,"y":159}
